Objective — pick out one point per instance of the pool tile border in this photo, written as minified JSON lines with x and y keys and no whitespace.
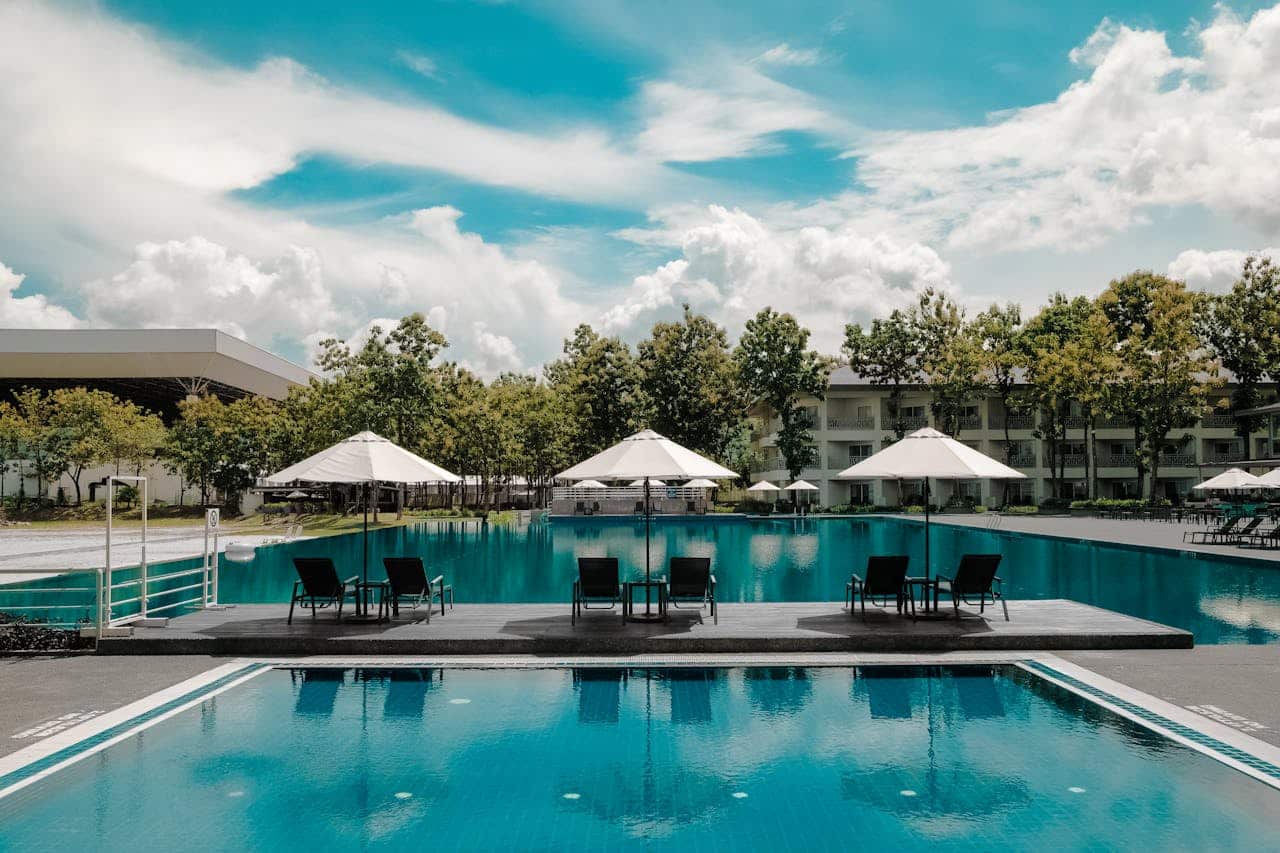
{"x":1234,"y":748}
{"x":41,"y":759}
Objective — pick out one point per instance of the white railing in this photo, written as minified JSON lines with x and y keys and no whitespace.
{"x":626,"y":493}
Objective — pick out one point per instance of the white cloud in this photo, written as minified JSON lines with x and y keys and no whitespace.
{"x":419,"y":63}
{"x":493,"y":353}
{"x":725,"y":112}
{"x":1213,"y":271}
{"x":196,"y":283}
{"x":785,"y":54}
{"x":733,"y":265}
{"x":1145,"y":129}
{"x":29,"y":312}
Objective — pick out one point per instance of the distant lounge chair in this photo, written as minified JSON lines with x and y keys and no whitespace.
{"x":597,"y":586}
{"x":408,"y":579}
{"x":1267,"y":539}
{"x":1205,"y":537}
{"x":318,"y":585}
{"x":1248,"y":530}
{"x":975,"y":576}
{"x":886,"y":576}
{"x":580,"y":508}
{"x":691,"y":582}
{"x":595,"y":507}
{"x":639,"y":510}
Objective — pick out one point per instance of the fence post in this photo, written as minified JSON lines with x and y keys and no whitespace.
{"x":111,"y":486}
{"x":97,"y":634}
{"x":142,"y":566}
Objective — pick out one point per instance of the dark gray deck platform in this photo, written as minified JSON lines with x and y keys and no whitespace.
{"x":544,"y":629}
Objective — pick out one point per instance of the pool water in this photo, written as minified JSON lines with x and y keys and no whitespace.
{"x":901,"y":758}
{"x":1219,"y":600}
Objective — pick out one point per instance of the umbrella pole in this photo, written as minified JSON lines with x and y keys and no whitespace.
{"x":926,"y":528}
{"x":365,"y":571}
{"x":647,"y":511}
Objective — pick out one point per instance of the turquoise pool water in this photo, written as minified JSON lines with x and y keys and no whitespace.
{"x":1219,"y":600}
{"x":878,"y":758}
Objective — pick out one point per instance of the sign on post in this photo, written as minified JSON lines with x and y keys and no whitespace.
{"x":211,"y":518}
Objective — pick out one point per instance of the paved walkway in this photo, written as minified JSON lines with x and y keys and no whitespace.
{"x":260,"y":629}
{"x":1151,"y":534}
{"x":44,"y":695}
{"x":58,"y":550}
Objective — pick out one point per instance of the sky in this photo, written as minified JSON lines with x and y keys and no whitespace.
{"x":292,"y":171}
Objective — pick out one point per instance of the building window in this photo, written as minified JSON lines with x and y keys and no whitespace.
{"x":860,"y":493}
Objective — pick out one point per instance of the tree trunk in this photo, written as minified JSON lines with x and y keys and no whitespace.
{"x":75,"y":480}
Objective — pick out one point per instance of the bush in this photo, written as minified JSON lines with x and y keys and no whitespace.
{"x":275,"y":509}
{"x":848,"y":509}
{"x":1055,"y":505}
{"x":1021,"y":509}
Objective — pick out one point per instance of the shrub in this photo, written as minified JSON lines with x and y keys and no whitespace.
{"x":1054,"y":505}
{"x":1021,"y":509}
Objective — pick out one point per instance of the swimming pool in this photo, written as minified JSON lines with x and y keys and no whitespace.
{"x":1218,"y":600}
{"x":785,"y":758}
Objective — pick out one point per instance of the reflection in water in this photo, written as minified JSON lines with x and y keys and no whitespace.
{"x":599,"y":693}
{"x":779,"y":689}
{"x":690,"y":693}
{"x":318,"y":691}
{"x":1219,"y":600}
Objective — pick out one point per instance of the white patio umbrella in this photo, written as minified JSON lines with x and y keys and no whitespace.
{"x":800,"y":486}
{"x":658,"y":483}
{"x":646,"y":456}
{"x":1272,"y":477}
{"x":702,"y":483}
{"x":763,"y":486}
{"x":928,"y":453}
{"x":1235,"y":480}
{"x":590,"y":484}
{"x":365,"y":458}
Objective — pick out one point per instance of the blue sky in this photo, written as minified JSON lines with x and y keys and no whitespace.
{"x":292,"y":170}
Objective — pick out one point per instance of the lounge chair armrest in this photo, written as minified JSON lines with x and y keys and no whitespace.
{"x":438,"y":579}
{"x":943,"y":578}
{"x":712,"y":581}
{"x":998,"y":579}
{"x":855,"y":579}
{"x":296,"y":584}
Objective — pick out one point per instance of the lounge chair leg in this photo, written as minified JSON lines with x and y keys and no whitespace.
{"x":1006,"y":608}
{"x":292,"y":602}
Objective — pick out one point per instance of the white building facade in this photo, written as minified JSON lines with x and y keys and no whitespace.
{"x":853,"y":421}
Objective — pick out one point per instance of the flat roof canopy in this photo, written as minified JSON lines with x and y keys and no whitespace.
{"x":154,"y":367}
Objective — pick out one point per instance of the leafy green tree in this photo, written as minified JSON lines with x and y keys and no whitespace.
{"x":888,"y":353}
{"x":132,"y":436}
{"x":1167,"y":372}
{"x":1241,"y":329}
{"x":45,"y":445}
{"x":777,"y":368}
{"x":82,"y":417}
{"x":1048,"y":342}
{"x":690,"y":383}
{"x":599,"y":380}
{"x":193,"y":449}
{"x":950,"y":356}
{"x":1002,"y":356}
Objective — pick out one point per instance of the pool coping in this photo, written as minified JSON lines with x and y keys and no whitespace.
{"x":1228,"y":746}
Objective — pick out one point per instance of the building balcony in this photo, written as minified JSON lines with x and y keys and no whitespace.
{"x":1115,"y":423}
{"x":1218,"y":420}
{"x":969,"y":422}
{"x":867,"y":423}
{"x":1075,"y":422}
{"x":1072,"y":460}
{"x":908,"y":422}
{"x":1013,"y":421}
{"x":1117,"y":460}
{"x":839,"y":463}
{"x":1178,"y":459}
{"x":1224,"y":458}
{"x":1022,"y":460}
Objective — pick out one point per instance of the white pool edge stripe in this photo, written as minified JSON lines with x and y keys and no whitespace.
{"x":1173,"y":713}
{"x":121,"y":716}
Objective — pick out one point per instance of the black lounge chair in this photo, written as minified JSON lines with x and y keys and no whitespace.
{"x":1267,"y":539}
{"x":975,"y":576}
{"x":580,"y":508}
{"x":1250,"y":528}
{"x":886,"y":576}
{"x":1206,"y":537}
{"x":408,"y":580}
{"x":691,"y":582}
{"x":597,"y":586}
{"x":318,"y":585}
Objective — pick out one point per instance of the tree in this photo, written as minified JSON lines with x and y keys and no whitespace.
{"x":887,"y":354}
{"x":11,"y":432}
{"x":690,"y":384}
{"x":1167,"y":373}
{"x":45,"y":445}
{"x":776,"y":367}
{"x":1241,"y":329}
{"x":600,"y":382}
{"x":193,"y":449}
{"x":1047,"y":346}
{"x":133,"y":436}
{"x":1001,"y":354}
{"x":950,"y":356}
{"x":82,"y":417}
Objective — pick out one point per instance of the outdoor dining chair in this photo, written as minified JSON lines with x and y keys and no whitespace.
{"x":692,"y":583}
{"x":597,"y":586}
{"x":886,"y":577}
{"x":975,"y":576}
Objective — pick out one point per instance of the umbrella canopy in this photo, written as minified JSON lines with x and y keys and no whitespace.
{"x":929,"y":453}
{"x":364,"y":458}
{"x":1272,"y":477}
{"x":651,"y":483}
{"x":702,"y":483}
{"x":590,"y":484}
{"x":801,"y":486}
{"x":1235,"y":480}
{"x":646,"y":454}
{"x":296,"y":495}
{"x":763,"y":486}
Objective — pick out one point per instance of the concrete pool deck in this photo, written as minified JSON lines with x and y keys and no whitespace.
{"x":545,"y":629}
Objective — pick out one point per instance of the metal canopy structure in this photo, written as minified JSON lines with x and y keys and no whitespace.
{"x":154,"y":368}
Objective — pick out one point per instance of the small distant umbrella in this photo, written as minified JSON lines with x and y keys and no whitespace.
{"x":702,"y":483}
{"x":801,"y":486}
{"x":296,"y":495}
{"x":651,"y":483}
{"x":590,"y":484}
{"x":763,"y":486}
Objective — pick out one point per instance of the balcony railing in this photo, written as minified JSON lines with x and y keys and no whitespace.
{"x":851,"y":423}
{"x":1180,"y":458}
{"x":1218,"y":420}
{"x":969,"y":422}
{"x":1014,"y":422}
{"x":1117,"y":460}
{"x":1075,"y":422}
{"x":839,"y":463}
{"x":1115,"y":423}
{"x":1220,"y":457}
{"x":1022,"y":460}
{"x":908,"y":421}
{"x":1071,"y":460}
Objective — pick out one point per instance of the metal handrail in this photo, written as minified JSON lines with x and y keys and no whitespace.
{"x":97,"y":589}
